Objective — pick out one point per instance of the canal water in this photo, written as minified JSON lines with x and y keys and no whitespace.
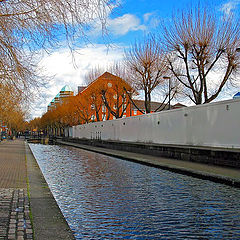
{"x":108,"y":198}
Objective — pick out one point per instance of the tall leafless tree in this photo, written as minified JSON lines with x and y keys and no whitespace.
{"x":203,"y":52}
{"x":146,"y":65}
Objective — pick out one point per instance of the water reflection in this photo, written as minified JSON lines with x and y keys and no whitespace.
{"x":109,"y":198}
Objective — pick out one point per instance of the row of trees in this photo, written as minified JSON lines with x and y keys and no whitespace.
{"x":196,"y":57}
{"x":99,"y":102}
{"x":12,"y":113}
{"x":196,"y":54}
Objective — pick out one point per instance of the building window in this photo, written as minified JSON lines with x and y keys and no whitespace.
{"x":115,"y":107}
{"x":92,"y":106}
{"x":115,"y":96}
{"x":93,"y":117}
{"x":135,"y":112}
{"x":109,"y":85}
{"x":124,"y":107}
{"x":103,"y":108}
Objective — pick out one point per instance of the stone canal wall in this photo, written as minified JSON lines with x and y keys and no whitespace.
{"x":214,"y":156}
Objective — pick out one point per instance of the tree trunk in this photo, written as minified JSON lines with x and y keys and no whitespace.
{"x":147,"y":102}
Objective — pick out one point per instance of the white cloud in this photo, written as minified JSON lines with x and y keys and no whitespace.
{"x":60,"y":65}
{"x":151,"y":20}
{"x":228,"y":7}
{"x":124,"y":24}
{"x":147,"y":16}
{"x":119,"y":26}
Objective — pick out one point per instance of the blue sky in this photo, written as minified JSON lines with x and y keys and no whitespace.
{"x":150,"y":13}
{"x":129,"y":22}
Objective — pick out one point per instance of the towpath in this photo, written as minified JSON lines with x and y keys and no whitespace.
{"x":27,"y":207}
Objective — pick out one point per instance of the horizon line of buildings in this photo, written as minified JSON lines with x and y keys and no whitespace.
{"x":109,"y":80}
{"x":102,"y":112}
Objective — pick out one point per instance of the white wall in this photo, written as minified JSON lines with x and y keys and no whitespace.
{"x":215,"y":124}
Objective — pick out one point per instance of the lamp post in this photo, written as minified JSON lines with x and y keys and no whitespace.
{"x":169,"y":91}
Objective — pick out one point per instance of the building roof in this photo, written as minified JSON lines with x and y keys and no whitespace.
{"x":155,"y":105}
{"x":108,"y":75}
{"x":104,"y":76}
{"x":66,"y":88}
{"x":141,"y":105}
{"x":178,"y":105}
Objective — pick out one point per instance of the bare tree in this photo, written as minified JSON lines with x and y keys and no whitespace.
{"x":203,"y":54}
{"x":93,"y":74}
{"x":146,"y":65}
{"x":115,"y":99}
{"x":117,"y":68}
{"x":26,"y":26}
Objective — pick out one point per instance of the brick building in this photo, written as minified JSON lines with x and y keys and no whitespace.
{"x":106,"y":97}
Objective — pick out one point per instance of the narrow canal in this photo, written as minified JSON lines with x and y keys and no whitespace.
{"x":108,"y":198}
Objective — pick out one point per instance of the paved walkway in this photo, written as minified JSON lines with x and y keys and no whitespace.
{"x":13,"y":172}
{"x":40,"y":218}
{"x":229,"y":176}
{"x":14,"y":204}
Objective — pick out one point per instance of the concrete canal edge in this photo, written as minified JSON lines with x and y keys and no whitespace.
{"x":224,"y":175}
{"x":47,"y":218}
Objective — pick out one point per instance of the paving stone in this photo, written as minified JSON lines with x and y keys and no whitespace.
{"x":20,"y":233}
{"x":12,"y":219}
{"x":12,"y":226}
{"x":29,"y":231}
{"x":5,"y":205}
{"x":11,"y":237}
{"x":11,"y":231}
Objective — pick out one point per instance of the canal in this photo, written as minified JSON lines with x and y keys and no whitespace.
{"x":109,"y":198}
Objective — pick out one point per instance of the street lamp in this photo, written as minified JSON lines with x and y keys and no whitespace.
{"x":169,"y":90}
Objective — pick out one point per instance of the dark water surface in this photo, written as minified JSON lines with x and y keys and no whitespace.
{"x":108,"y":198}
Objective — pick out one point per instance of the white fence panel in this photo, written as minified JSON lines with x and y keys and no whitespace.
{"x":214,"y":125}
